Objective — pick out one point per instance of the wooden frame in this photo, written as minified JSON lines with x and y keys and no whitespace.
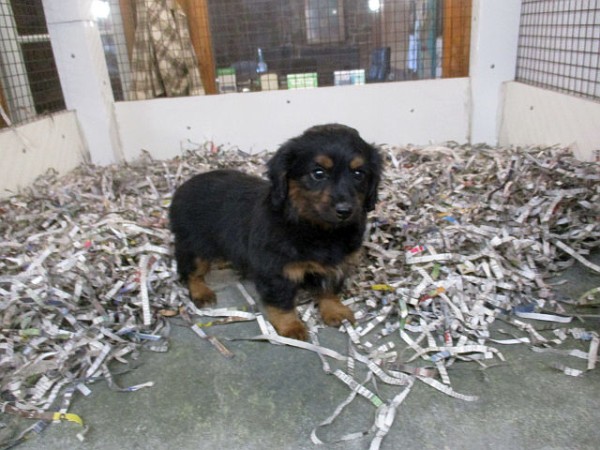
{"x":127,"y":8}
{"x":4,"y":106}
{"x":199,"y":23}
{"x":456,"y":38}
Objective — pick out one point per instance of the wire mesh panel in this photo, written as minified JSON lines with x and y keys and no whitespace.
{"x":559,"y":46}
{"x":112,"y":34}
{"x":278,"y":44}
{"x":29,"y":80}
{"x":251,"y":45}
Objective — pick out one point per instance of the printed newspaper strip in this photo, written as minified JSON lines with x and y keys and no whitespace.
{"x":457,"y":260}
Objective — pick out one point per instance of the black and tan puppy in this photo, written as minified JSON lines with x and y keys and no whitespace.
{"x":301,"y":229}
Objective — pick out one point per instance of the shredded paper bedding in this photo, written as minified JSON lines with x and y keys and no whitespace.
{"x":463,"y":237}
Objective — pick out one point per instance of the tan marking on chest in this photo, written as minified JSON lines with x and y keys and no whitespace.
{"x":297,"y":271}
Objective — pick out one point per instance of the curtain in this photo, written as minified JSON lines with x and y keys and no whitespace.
{"x":163,"y":60}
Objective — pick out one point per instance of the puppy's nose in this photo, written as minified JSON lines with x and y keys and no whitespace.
{"x":343,"y":210}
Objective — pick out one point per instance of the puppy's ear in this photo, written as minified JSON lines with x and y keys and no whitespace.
{"x":277,"y":171}
{"x":375,"y":169}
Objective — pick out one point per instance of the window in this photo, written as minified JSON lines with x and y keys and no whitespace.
{"x":29,"y":79}
{"x":252,"y":45}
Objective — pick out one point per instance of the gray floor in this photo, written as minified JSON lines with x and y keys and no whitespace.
{"x":271,"y":397}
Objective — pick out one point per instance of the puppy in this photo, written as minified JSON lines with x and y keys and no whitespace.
{"x":302,"y":229}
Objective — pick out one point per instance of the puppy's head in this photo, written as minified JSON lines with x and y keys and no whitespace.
{"x":327,"y":176}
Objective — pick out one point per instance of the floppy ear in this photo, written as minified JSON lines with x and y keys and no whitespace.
{"x":277,"y":171}
{"x":376,"y":167}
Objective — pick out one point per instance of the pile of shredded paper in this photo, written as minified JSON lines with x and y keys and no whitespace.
{"x":463,"y":236}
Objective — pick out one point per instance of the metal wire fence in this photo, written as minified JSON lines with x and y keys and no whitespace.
{"x":185,"y":47}
{"x":559,"y":46}
{"x":252,"y":45}
{"x":249,"y":45}
{"x":29,"y":83}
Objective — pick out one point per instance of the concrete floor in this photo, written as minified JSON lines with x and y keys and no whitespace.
{"x":271,"y":397}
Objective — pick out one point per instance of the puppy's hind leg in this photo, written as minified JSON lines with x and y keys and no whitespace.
{"x":192,"y":271}
{"x":200,"y":293}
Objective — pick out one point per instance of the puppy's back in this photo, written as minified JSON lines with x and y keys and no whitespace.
{"x":210,"y":212}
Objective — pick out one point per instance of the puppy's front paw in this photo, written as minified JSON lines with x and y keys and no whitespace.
{"x":287,"y":323}
{"x":295,"y":330}
{"x":201,"y":294}
{"x":333,"y":312}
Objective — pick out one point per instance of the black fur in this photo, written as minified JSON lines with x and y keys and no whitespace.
{"x":297,"y":230}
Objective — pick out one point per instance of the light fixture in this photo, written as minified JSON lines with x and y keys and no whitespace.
{"x":374,"y":5}
{"x":100,"y":9}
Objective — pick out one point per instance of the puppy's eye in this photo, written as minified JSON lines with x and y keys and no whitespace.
{"x":358,"y":175}
{"x":318,"y":174}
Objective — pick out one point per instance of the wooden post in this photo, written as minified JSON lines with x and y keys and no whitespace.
{"x":127,"y":8}
{"x":457,"y":38}
{"x":4,"y":106}
{"x":199,"y":23}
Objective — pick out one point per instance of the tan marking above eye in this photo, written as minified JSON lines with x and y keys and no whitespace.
{"x":357,"y":162}
{"x":324,"y":161}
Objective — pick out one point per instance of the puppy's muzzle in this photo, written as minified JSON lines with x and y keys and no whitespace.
{"x":343,"y":210}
